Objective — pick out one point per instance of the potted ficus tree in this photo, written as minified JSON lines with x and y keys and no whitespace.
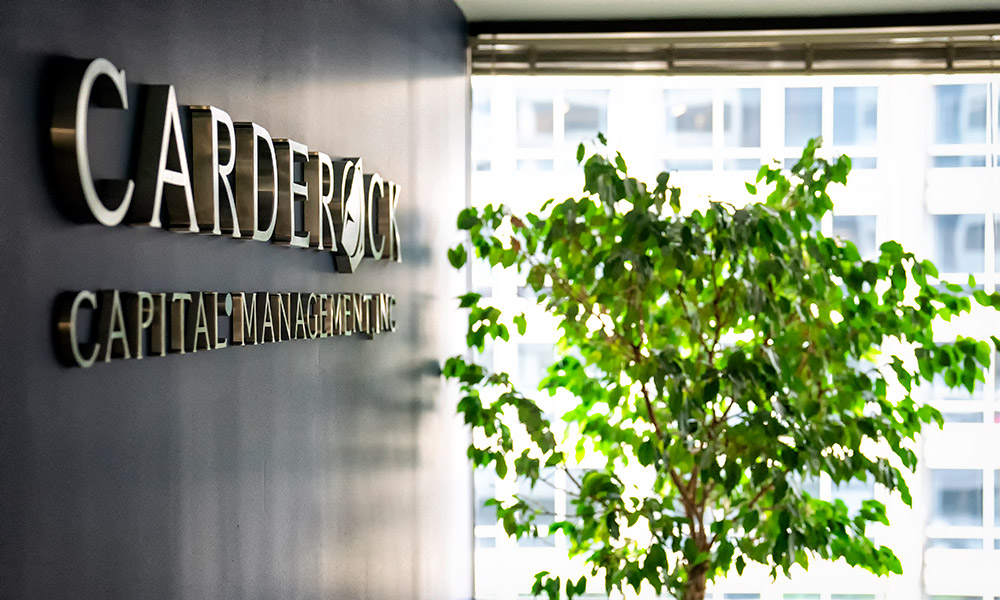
{"x":725,"y":355}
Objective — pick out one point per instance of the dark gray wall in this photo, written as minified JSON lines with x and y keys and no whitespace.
{"x":326,"y":468}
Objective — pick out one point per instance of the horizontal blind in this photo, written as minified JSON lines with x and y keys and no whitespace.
{"x":947,"y":49}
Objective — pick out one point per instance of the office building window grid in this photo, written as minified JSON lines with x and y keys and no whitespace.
{"x":926,"y":158}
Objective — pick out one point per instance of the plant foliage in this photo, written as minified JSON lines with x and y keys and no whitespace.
{"x":727,"y":355}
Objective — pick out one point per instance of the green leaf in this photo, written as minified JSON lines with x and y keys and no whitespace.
{"x":521,"y":323}
{"x":762,"y":173}
{"x":751,"y":188}
{"x":983,"y":353}
{"x":468,"y":218}
{"x":580,"y":151}
{"x":457,"y":256}
{"x":620,"y":163}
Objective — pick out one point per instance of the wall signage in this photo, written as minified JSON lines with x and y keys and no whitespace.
{"x":230,"y":178}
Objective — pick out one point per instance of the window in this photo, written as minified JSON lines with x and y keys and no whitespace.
{"x":956,"y":497}
{"x":961,"y":114}
{"x":959,"y":243}
{"x":535,"y":122}
{"x":716,"y":132}
{"x":741,"y":118}
{"x":484,"y":484}
{"x":688,"y":129}
{"x":803,"y":115}
{"x":996,"y":499}
{"x":482,"y":131}
{"x":960,"y":132}
{"x":585,"y":114}
{"x":955,"y":543}
{"x":855,"y":116}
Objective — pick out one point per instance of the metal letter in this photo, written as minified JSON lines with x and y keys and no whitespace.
{"x":383,"y":312}
{"x":111,"y":326}
{"x":266,"y":319}
{"x":254,"y":186}
{"x":222,"y":306}
{"x":325,"y":316}
{"x":70,"y":349}
{"x":313,"y":319}
{"x":100,"y":81}
{"x":320,"y":183}
{"x":348,"y":214}
{"x":139,"y":313}
{"x":244,"y":319}
{"x":163,"y":167}
{"x":178,"y":321}
{"x":158,"y":343}
{"x":290,"y":191}
{"x":391,"y":227}
{"x":212,"y":138}
{"x":359,"y":314}
{"x":301,"y":329}
{"x":377,"y":215}
{"x":199,"y":336}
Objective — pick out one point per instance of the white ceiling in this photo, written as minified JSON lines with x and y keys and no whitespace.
{"x":530,"y":10}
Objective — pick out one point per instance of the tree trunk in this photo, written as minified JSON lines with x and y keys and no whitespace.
{"x":695,"y":589}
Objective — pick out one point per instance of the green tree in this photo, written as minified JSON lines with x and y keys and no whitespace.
{"x":728,"y":355}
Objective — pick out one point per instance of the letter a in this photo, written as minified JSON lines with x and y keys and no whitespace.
{"x":163,"y":166}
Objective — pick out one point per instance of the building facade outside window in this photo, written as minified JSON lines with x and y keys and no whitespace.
{"x":926,"y":172}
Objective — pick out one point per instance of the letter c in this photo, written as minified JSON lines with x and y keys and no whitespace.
{"x":100,"y":81}
{"x":70,"y":348}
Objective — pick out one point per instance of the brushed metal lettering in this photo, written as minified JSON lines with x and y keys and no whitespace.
{"x":301,"y":331}
{"x":219,"y":306}
{"x":267,"y":325}
{"x":198,"y":333}
{"x":163,"y":176}
{"x":256,"y":186}
{"x":313,"y":321}
{"x":290,"y":191}
{"x":394,"y":251}
{"x":158,"y":343}
{"x":111,"y":328}
{"x":245,"y":319}
{"x":101,"y":83}
{"x":139,"y":314}
{"x":178,"y":321}
{"x":319,"y":219}
{"x":376,"y":205}
{"x":383,"y":312}
{"x":213,"y":158}
{"x":71,"y":350}
{"x":359,"y":322}
{"x":325,"y":316}
{"x":348,"y":214}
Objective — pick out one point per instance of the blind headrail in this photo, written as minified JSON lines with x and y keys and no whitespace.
{"x":945,"y":49}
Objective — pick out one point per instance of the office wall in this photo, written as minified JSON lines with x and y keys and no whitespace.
{"x":321,"y":468}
